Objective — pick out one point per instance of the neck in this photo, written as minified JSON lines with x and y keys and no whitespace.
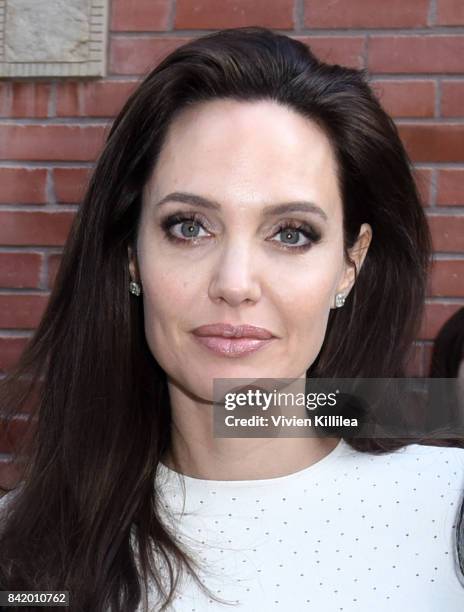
{"x":197,"y":451}
{"x":244,"y":458}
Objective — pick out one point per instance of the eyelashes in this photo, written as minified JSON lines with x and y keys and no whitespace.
{"x":194,"y":219}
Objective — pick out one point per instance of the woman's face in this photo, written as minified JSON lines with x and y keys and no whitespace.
{"x":240,"y":263}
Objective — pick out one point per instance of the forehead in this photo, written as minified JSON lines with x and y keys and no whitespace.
{"x":235,"y":151}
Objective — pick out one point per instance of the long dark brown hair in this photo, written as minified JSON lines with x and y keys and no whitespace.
{"x":100,"y":416}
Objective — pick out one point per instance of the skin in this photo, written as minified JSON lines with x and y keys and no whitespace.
{"x":245,"y":156}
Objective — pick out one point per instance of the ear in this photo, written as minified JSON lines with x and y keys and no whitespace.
{"x":133,"y":265}
{"x":357,"y":253}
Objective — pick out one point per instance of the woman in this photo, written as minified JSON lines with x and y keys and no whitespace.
{"x":447,"y":364}
{"x":448,"y":349}
{"x":244,"y":183}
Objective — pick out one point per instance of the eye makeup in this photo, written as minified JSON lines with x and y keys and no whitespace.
{"x":194,"y":219}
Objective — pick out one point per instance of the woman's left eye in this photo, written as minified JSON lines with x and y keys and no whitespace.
{"x":294,"y":233}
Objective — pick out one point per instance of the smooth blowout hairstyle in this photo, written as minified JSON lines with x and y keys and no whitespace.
{"x":87,"y":510}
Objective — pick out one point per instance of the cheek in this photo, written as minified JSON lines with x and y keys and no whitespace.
{"x":165,"y":293}
{"x":164,"y":284}
{"x":306,"y":304}
{"x":168,"y":299}
{"x":159,"y":295}
{"x":308,"y":287}
{"x":163,"y":298}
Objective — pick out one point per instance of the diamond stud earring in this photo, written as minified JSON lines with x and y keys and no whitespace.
{"x":339,"y":300}
{"x":135,"y":288}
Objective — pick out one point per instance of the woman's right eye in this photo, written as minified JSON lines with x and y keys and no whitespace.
{"x":189,"y":228}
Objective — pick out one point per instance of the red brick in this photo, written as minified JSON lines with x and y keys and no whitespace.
{"x":24,"y":100}
{"x":23,"y":186}
{"x":20,"y":270}
{"x":452,"y":98}
{"x":345,"y":50}
{"x":51,"y":142}
{"x":70,"y":183}
{"x":414,"y":365}
{"x":447,"y":233}
{"x":209,"y":14}
{"x":433,"y":142}
{"x":10,"y":351}
{"x":5,"y":98}
{"x":423,"y":178}
{"x":406,"y":98}
{"x":427,"y":54}
{"x":13,"y":436}
{"x":34,"y":228}
{"x":140,"y":55}
{"x":435,"y":316}
{"x":451,"y":187}
{"x":93,"y":98}
{"x":11,"y":473}
{"x":450,"y":12}
{"x":140,"y":15}
{"x":53,"y":266}
{"x":68,"y":99}
{"x":21,"y":311}
{"x":447,"y":278}
{"x":365,"y":14}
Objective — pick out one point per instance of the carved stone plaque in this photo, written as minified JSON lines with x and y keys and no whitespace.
{"x":53,"y":38}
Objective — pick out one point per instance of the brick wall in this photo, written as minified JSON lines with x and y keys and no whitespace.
{"x":51,"y":131}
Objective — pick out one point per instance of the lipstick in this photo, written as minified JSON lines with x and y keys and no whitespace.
{"x":231,"y":340}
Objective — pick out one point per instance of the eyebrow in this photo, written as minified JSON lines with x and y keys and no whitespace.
{"x":273,"y":209}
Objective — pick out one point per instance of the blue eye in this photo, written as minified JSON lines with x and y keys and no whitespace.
{"x":191,"y":223}
{"x":290,"y":230}
{"x":191,"y":228}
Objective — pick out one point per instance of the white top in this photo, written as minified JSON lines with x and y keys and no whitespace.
{"x":352,"y":532}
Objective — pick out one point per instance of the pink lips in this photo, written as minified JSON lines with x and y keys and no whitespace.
{"x":232,"y":340}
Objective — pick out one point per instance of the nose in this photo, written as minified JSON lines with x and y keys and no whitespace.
{"x":234,"y":278}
